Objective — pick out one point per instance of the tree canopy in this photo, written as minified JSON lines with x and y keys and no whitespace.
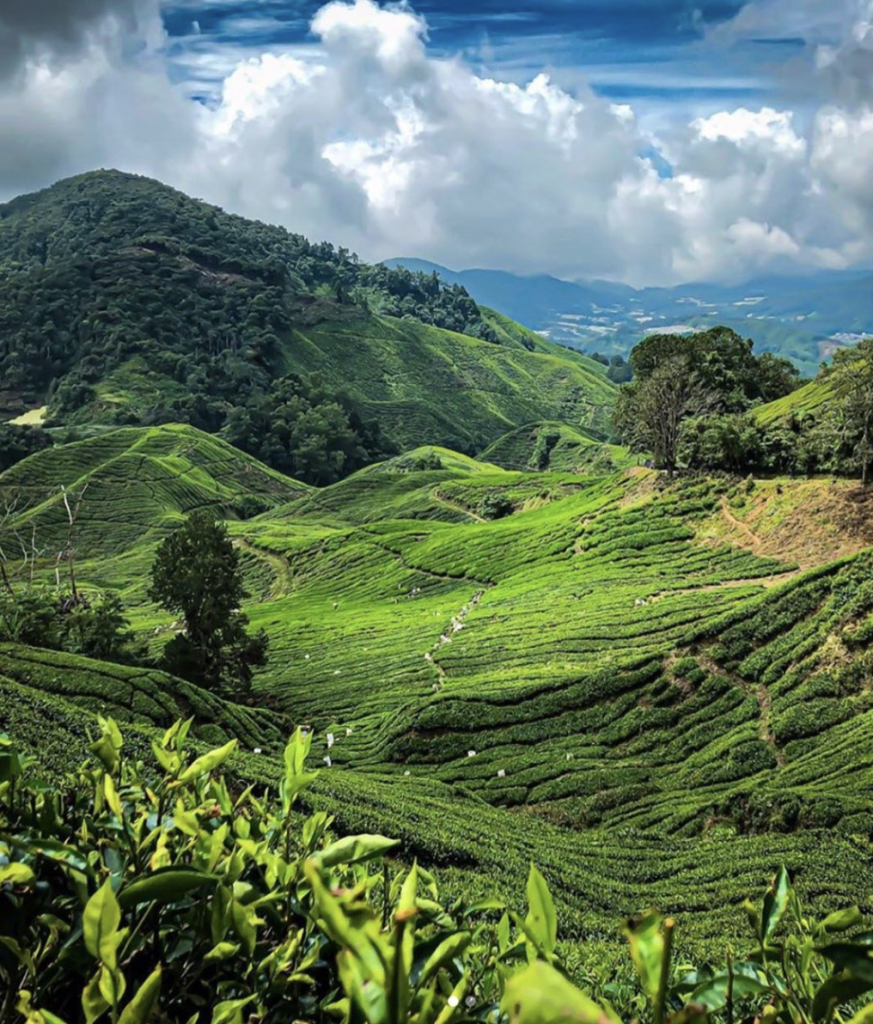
{"x":197,"y":574}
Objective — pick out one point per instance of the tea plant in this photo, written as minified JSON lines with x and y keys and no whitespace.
{"x":175,"y":895}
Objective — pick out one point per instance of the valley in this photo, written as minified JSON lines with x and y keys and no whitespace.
{"x":615,"y":666}
{"x":430,"y":593}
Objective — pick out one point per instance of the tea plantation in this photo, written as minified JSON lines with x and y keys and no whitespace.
{"x":511,"y":665}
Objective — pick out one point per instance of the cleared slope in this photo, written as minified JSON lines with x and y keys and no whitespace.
{"x":812,"y":398}
{"x":428,"y":385}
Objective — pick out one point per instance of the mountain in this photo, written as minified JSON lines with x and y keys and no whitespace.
{"x":802,"y":318}
{"x":123,"y":301}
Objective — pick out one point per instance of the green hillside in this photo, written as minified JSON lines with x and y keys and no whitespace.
{"x":812,"y":398}
{"x":134,"y":485}
{"x":557,"y":447}
{"x":613,"y":678}
{"x":124,"y":301}
{"x":426,"y":385}
{"x":48,"y":699}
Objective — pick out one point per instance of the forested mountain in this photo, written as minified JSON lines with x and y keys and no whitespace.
{"x":126,"y":302}
{"x":801,"y":318}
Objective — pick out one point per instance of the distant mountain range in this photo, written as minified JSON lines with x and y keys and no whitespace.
{"x":803,"y":318}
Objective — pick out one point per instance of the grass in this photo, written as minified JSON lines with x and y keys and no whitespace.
{"x":31,"y":418}
{"x":652,"y":708}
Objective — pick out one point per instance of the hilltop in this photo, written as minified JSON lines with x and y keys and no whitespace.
{"x":127,"y":302}
{"x":135,"y":484}
{"x":557,"y":447}
{"x":658,"y":692}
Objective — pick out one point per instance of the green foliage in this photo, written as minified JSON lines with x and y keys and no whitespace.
{"x":724,"y":363}
{"x":197,"y":573}
{"x":558,"y":448}
{"x":400,"y":292}
{"x":825,"y":426}
{"x":95,"y":626}
{"x":140,"y":891}
{"x":16,"y":443}
{"x":495,"y":505}
{"x":651,"y":411}
{"x":301,"y":429}
{"x":126,"y":302}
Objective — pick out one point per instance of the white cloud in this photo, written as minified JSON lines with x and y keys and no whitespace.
{"x":372,"y":142}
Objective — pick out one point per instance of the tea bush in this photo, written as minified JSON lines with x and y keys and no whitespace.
{"x":161,"y":890}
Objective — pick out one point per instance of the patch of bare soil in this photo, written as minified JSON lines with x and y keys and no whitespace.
{"x":808,"y":522}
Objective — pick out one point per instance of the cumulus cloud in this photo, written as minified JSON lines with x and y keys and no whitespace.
{"x":371,"y":141}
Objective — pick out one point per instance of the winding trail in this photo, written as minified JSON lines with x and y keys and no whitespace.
{"x":437,"y":497}
{"x":754,"y":541}
{"x":457,"y":624}
{"x":278,"y":563}
{"x":761,"y":694}
{"x":764,"y":731}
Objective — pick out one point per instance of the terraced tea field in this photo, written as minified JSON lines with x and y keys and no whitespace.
{"x":638,"y":685}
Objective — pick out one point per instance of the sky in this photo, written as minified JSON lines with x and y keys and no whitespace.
{"x":647,"y":141}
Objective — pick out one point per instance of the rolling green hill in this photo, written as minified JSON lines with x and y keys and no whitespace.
{"x":135,"y":485}
{"x":657,"y":692}
{"x":812,"y":398}
{"x":124,"y":301}
{"x":557,"y":447}
{"x":47,"y":697}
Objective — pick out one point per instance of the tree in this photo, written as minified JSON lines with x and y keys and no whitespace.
{"x":725,"y":364}
{"x":848,"y":432}
{"x":776,"y":377}
{"x":197,"y":573}
{"x":650,"y":411}
{"x":16,"y":443}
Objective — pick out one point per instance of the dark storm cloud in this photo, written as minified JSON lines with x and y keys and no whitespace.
{"x":57,"y":27}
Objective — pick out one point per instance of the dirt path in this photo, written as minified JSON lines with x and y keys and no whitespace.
{"x":762,"y":695}
{"x":280,"y":565}
{"x":754,"y":541}
{"x":751,"y":581}
{"x":764,"y":731}
{"x":437,"y":497}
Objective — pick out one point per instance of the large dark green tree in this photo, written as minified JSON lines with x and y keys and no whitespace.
{"x":197,"y":574}
{"x":723,"y":362}
{"x":650,"y":412}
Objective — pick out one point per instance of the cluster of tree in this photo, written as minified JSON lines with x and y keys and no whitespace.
{"x":96,"y":627}
{"x":196,"y":574}
{"x":679,"y":379}
{"x":107,"y":267}
{"x":619,"y":370}
{"x":835,"y":438}
{"x":424,"y":297}
{"x":16,"y":443}
{"x":303,"y":429}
